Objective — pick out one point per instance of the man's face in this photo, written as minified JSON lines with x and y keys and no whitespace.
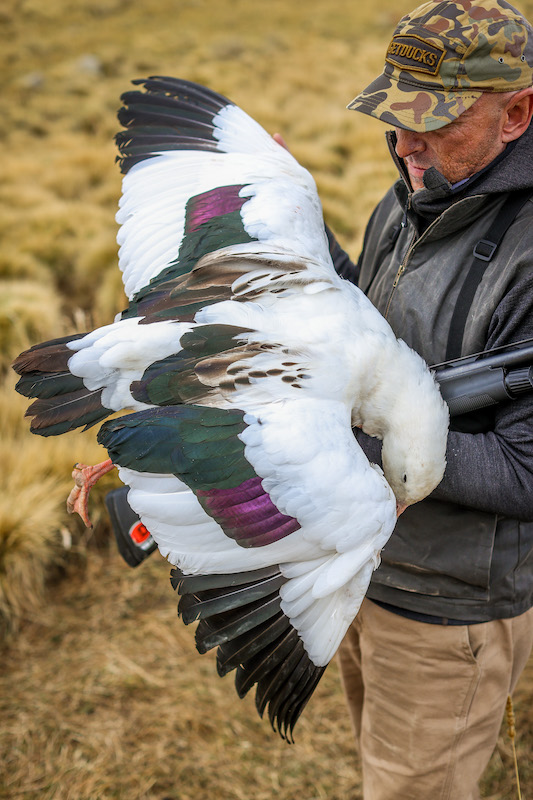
{"x":457,"y":150}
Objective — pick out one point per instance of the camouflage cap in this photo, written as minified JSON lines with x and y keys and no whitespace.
{"x":443,"y":56}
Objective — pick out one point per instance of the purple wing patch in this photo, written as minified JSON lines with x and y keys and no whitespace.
{"x":247,"y":514}
{"x":214,"y":203}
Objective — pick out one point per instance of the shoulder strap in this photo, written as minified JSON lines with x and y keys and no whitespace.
{"x":483,"y":253}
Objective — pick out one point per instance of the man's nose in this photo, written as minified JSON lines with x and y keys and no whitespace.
{"x":408,"y":142}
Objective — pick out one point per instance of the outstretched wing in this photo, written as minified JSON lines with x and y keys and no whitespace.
{"x":201,"y":175}
{"x":275,"y":523}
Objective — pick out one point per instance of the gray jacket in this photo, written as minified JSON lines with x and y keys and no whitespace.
{"x":466,"y":552}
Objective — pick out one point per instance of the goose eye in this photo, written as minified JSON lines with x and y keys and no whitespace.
{"x":405,"y":478}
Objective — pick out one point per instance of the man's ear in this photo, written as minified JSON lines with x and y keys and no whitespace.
{"x":518,"y":112}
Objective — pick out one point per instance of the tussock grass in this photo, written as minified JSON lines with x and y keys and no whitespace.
{"x":144,"y":716}
{"x":36,"y":535}
{"x":29,"y":312}
{"x":101,"y":692}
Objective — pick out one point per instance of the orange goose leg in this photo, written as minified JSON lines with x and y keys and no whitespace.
{"x":85,"y":478}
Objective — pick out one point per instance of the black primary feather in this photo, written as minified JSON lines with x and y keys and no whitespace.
{"x":156,"y":121}
{"x":64,"y":403}
{"x":241,"y":615}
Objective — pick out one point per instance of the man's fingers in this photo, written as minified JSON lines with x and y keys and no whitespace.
{"x":280,"y":140}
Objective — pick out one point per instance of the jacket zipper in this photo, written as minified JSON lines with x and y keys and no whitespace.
{"x":412,"y":244}
{"x":399,"y":274}
{"x":402,"y":266}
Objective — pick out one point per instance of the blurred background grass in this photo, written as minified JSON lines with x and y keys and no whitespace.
{"x":102,"y":693}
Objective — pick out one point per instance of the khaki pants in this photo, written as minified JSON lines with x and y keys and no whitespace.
{"x":427,"y":701}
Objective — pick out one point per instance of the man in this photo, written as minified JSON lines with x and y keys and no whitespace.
{"x":447,"y":626}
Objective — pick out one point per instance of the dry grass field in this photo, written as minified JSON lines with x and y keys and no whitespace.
{"x":102,"y":694}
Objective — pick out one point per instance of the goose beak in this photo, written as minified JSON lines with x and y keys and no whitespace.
{"x":400,"y":508}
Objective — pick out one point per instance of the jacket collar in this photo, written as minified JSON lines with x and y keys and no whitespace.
{"x":510,"y":171}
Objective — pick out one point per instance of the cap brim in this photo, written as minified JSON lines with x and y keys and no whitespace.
{"x":411,"y":106}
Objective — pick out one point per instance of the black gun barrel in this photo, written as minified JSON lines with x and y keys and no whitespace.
{"x":507,"y":356}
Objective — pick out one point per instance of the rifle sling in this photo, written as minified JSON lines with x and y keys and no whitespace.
{"x":483,"y":252}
